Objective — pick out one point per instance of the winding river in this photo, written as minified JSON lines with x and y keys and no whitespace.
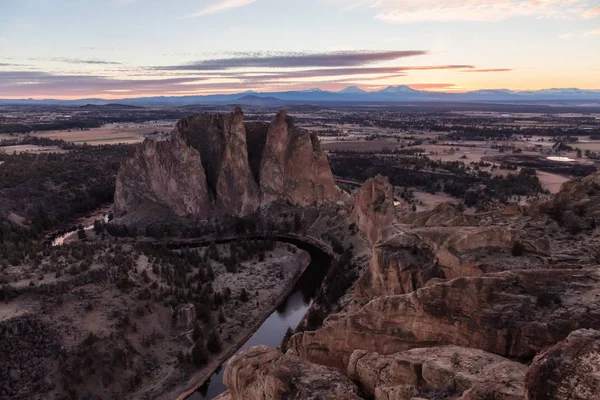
{"x":288,"y":314}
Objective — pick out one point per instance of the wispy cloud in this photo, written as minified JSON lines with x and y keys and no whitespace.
{"x":297,"y":60}
{"x":595,"y":32}
{"x":568,"y":35}
{"x":220,"y":6}
{"x":410,"y":11}
{"x":592,"y":12}
{"x":488,"y":70}
{"x":77,"y":61}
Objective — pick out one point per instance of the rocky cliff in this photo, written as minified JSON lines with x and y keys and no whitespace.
{"x":456,"y":306}
{"x":215,"y":164}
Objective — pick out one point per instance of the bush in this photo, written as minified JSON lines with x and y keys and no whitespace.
{"x":199,"y":353}
{"x":517,"y":249}
{"x":213,"y":343}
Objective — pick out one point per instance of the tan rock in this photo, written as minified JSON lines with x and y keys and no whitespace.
{"x":374,"y":207}
{"x":168,"y":173}
{"x":221,"y":141}
{"x":568,"y":370}
{"x":514,"y":314}
{"x":262,"y":373}
{"x":447,"y":369}
{"x":400,"y":264}
{"x":294,"y":167}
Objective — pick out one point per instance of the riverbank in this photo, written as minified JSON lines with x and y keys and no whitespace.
{"x":205,"y":373}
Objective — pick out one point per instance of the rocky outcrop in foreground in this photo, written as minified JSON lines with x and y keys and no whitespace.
{"x":514,"y":314}
{"x":569,"y":370}
{"x":214,"y":164}
{"x":448,"y":371}
{"x":263,"y":373}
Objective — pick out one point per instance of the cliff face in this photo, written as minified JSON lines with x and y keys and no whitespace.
{"x":263,"y":373}
{"x":374,"y":207}
{"x":168,"y":173}
{"x":221,"y":141}
{"x":294,"y":168}
{"x":215,"y":164}
{"x":513,"y":314}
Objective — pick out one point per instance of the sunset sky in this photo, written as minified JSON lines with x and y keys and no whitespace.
{"x":130,"y":48}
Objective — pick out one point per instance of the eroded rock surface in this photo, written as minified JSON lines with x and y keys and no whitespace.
{"x":294,"y":169}
{"x":263,"y":373}
{"x":215,"y":164}
{"x":400,"y":264}
{"x":374,"y":207}
{"x":569,"y":370}
{"x":449,"y":371}
{"x":169,"y":173}
{"x":515,"y":314}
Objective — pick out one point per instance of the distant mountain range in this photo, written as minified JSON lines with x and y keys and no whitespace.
{"x":352,"y":94}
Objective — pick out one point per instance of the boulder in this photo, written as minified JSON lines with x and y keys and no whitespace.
{"x":452,"y":370}
{"x":261,"y":372}
{"x":568,"y":370}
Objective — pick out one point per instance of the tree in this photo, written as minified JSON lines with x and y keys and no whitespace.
{"x":286,"y":339}
{"x":244,"y":297}
{"x":81,"y":235}
{"x":213,"y":343}
{"x":98,"y":227}
{"x":517,"y":249}
{"x":199,"y":353}
{"x":578,"y":153}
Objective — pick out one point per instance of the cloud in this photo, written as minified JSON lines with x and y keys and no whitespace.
{"x":79,"y":61}
{"x":489,"y":70}
{"x":325,"y":72}
{"x":2,"y":39}
{"x":411,"y":11}
{"x":568,"y":35}
{"x":296,"y":60}
{"x":220,"y":6}
{"x":591,"y":13}
{"x":37,"y":83}
{"x":595,"y":32}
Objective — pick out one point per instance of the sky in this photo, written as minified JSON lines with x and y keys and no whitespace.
{"x":69,"y":49}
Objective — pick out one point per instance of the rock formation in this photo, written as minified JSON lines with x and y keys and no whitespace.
{"x":450,"y":370}
{"x":374,"y":207}
{"x":263,"y":373}
{"x":184,"y":316}
{"x":168,"y":173}
{"x":294,"y":168}
{"x":215,"y":164}
{"x":221,"y":142}
{"x":515,"y":314}
{"x":569,"y":370}
{"x":400,"y":264}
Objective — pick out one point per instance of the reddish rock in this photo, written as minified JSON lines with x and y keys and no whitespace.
{"x":374,"y":207}
{"x":261,"y":372}
{"x":168,"y":173}
{"x":569,"y":370}
{"x":294,"y":168}
{"x":513,"y":314}
{"x":451,"y":370}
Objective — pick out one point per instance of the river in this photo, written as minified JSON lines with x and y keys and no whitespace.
{"x":289,"y":314}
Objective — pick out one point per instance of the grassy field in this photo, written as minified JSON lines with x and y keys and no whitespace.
{"x":110,"y":134}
